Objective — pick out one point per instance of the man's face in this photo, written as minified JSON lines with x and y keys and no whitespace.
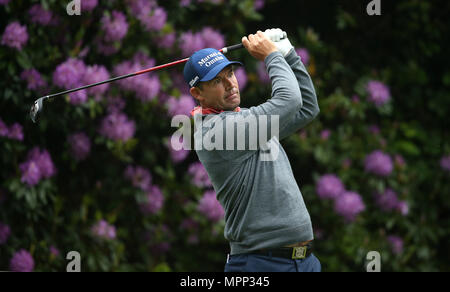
{"x":221,"y":93}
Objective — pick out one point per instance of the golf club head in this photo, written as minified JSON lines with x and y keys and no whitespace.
{"x":36,"y":109}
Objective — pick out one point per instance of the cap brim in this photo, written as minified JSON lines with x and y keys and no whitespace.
{"x":216,"y":70}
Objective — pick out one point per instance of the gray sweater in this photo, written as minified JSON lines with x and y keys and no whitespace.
{"x":263,"y":204}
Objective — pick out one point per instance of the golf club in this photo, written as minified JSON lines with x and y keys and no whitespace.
{"x":38,"y":105}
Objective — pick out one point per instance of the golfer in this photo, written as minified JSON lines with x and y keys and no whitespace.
{"x":266,"y":221}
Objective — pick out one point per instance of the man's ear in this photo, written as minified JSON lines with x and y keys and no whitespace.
{"x":196,"y":93}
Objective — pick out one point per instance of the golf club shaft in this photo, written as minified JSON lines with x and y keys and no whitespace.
{"x":224,"y":50}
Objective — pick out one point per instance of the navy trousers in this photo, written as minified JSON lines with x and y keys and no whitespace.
{"x":262,"y":263}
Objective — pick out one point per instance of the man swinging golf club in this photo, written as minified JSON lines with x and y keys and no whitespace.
{"x":266,"y":220}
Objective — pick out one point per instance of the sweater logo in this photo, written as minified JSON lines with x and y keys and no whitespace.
{"x":232,"y":132}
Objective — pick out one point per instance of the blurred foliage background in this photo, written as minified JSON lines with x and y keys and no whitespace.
{"x":96,"y":174}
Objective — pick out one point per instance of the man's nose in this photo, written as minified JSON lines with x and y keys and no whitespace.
{"x":227,"y":82}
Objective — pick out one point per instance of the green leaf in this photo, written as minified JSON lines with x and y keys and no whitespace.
{"x":23,"y":60}
{"x":162,"y":267}
{"x":407,"y":147}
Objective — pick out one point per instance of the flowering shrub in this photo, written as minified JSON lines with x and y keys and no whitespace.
{"x":98,"y":174}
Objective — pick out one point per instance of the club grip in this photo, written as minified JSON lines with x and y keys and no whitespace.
{"x":232,"y":48}
{"x":240,"y":46}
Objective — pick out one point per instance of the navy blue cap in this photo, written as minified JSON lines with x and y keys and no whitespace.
{"x":204,"y":65}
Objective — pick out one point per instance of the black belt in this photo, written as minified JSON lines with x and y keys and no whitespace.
{"x":293,"y":253}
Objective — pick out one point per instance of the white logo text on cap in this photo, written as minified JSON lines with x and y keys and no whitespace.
{"x":211,"y":59}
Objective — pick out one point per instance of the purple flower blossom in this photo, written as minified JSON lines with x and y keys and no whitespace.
{"x":15,"y":36}
{"x":325,"y":134}
{"x":16,"y":132}
{"x":349,"y":205}
{"x":329,"y":186}
{"x":379,"y":93}
{"x":88,"y":5}
{"x":212,"y":38}
{"x":114,"y":26}
{"x":44,"y":161}
{"x":199,"y":176}
{"x":115,"y":104}
{"x":126,"y":68}
{"x":184,"y":3}
{"x":4,"y":131}
{"x":378,"y":163}
{"x":54,"y":251}
{"x":396,"y":244}
{"x":33,"y":78}
{"x":258,"y":4}
{"x":94,"y":74}
{"x":21,"y":261}
{"x":166,"y":41}
{"x":4,"y":2}
{"x":116,"y":126}
{"x":140,"y":177}
{"x":145,"y":86}
{"x":304,"y":55}
{"x":39,"y":15}
{"x":106,"y":48}
{"x":154,"y":201}
{"x":155,"y":21}
{"x":142,"y":60}
{"x":177,"y":155}
{"x":374,"y":129}
{"x":387,"y":201}
{"x":445,"y":163}
{"x":80,"y":145}
{"x":69,"y":74}
{"x":241,"y":77}
{"x":30,"y":173}
{"x":78,"y":97}
{"x":103,"y":230}
{"x":192,"y":239}
{"x":188,"y":224}
{"x":179,"y":82}
{"x":180,"y":106}
{"x":141,"y":7}
{"x":190,"y":42}
{"x":399,"y":160}
{"x":5,"y":231}
{"x":210,"y":207}
{"x":151,"y":16}
{"x":38,"y":165}
{"x":403,"y":207}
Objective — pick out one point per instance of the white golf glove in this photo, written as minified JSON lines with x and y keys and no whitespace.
{"x":280,"y":39}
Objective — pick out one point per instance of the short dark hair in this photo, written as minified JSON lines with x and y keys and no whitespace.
{"x":200,"y":85}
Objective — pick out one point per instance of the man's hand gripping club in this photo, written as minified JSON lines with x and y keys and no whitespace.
{"x":262,"y":44}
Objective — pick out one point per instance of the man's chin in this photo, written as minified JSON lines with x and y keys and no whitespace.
{"x":233,"y":106}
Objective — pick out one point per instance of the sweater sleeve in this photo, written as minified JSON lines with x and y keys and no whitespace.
{"x":286,"y":97}
{"x":310,"y":107}
{"x":269,"y":117}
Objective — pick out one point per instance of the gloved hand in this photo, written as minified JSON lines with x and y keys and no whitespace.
{"x":276,"y":35}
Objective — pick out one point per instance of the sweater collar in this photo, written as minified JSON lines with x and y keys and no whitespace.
{"x":207,"y":110}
